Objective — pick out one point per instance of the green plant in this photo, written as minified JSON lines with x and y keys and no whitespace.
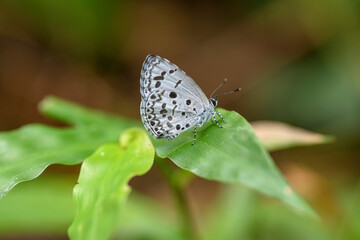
{"x":230,"y":155}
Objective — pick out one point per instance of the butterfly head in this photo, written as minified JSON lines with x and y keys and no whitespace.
{"x":213,"y":101}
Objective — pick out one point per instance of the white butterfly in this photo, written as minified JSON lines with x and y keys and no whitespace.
{"x":171,"y":102}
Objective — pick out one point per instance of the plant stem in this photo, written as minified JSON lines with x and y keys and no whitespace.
{"x":178,"y":180}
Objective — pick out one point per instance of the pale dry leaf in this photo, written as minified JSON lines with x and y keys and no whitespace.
{"x":278,"y":135}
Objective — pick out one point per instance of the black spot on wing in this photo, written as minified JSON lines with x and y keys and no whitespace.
{"x":177,"y":84}
{"x":173,"y":95}
{"x":173,"y":110}
{"x":159,"y":78}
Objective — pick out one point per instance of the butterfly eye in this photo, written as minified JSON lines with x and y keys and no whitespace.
{"x":213,"y":102}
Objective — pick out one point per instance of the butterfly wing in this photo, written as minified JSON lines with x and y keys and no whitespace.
{"x":171,"y":100}
{"x":158,"y":72}
{"x":165,"y":117}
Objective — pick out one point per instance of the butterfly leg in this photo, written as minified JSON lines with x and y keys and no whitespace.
{"x":194,"y":136}
{"x":213,"y":115}
{"x":218,"y":113}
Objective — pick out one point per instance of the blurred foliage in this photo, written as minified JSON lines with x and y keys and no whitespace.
{"x":45,"y":207}
{"x":276,"y":135}
{"x":40,"y":207}
{"x":243,"y":213}
{"x":86,"y":30}
{"x":316,"y":87}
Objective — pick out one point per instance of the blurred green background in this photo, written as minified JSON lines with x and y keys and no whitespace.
{"x":297,"y":61}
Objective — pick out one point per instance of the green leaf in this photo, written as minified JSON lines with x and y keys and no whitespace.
{"x":232,"y":154}
{"x":277,"y":135}
{"x":81,"y":116}
{"x":103,"y":184}
{"x":27,"y":151}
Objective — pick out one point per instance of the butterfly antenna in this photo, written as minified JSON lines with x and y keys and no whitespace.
{"x":225,"y":80}
{"x":236,"y":90}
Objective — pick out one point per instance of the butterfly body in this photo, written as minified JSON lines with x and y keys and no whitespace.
{"x":171,"y":101}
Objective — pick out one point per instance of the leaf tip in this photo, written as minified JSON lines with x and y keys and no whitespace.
{"x":288,"y":191}
{"x":46,"y":103}
{"x":134,"y":135}
{"x":329,"y":139}
{"x":298,"y":204}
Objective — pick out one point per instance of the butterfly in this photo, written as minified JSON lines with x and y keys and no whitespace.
{"x":171,"y":102}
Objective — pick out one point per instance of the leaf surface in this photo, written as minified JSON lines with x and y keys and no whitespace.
{"x":27,"y":151}
{"x":232,"y":154}
{"x":103,"y":184}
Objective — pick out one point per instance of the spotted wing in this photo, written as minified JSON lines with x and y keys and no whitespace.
{"x":166,"y":115}
{"x":158,"y":73}
{"x":171,"y":100}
